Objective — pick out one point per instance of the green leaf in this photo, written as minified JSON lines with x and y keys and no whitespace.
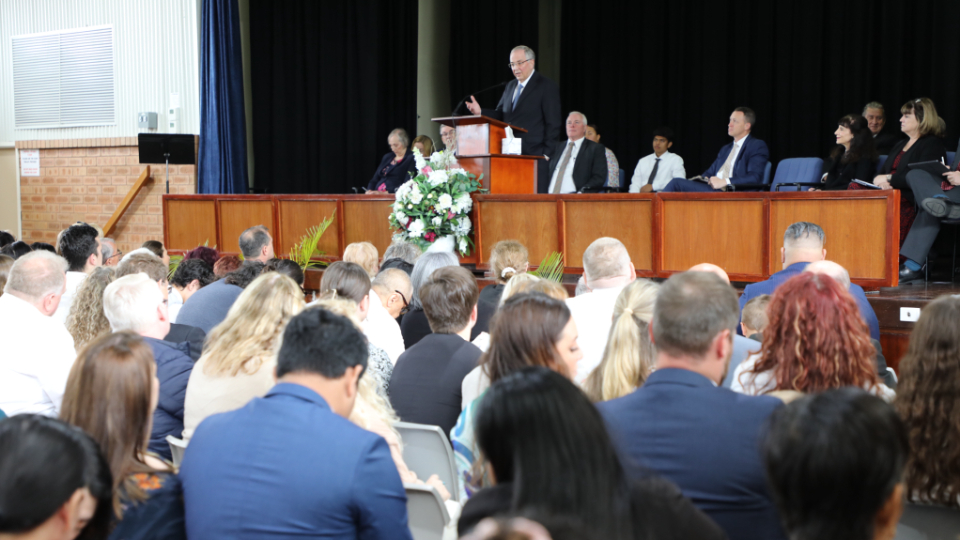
{"x":304,"y":252}
{"x":551,"y":267}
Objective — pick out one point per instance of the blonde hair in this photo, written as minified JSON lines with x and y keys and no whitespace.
{"x":628,"y":357}
{"x":365,"y":254}
{"x":252,"y":331}
{"x":507,"y":259}
{"x":514,"y":283}
{"x":926,"y":114}
{"x":525,"y":283}
{"x":87,"y":320}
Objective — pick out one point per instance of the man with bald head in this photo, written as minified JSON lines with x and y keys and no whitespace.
{"x":389,"y":292}
{"x":578,"y":164}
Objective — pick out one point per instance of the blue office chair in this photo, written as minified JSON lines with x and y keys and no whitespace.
{"x":880,"y":161}
{"x":766,"y":173}
{"x":764,"y":186}
{"x":796,"y":174}
{"x":950,"y":157}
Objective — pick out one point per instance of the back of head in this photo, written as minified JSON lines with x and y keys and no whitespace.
{"x":253,"y":240}
{"x":286,"y":267}
{"x":131,"y":302}
{"x":524,"y":332}
{"x":45,"y":247}
{"x":507,"y":259}
{"x":754,"y":314}
{"x":403,"y":250}
{"x":6,"y":263}
{"x":517,"y":284}
{"x":926,"y":114}
{"x":6,"y":238}
{"x":155,"y":247}
{"x":605,"y":258}
{"x":36,"y":275}
{"x":692,"y":308}
{"x":448,"y":298}
{"x":108,"y":248}
{"x":392,"y":279}
{"x":77,"y":244}
{"x":365,"y":254}
{"x":193,"y":269}
{"x":527,"y":283}
{"x":86,"y":319}
{"x":398,"y":264}
{"x":320,"y":342}
{"x":803,"y":235}
{"x":833,"y":461}
{"x":43,"y":462}
{"x":225,"y":265}
{"x":243,"y":276}
{"x":143,"y":263}
{"x":17,"y":249}
{"x":348,"y":279}
{"x":205,"y":253}
{"x":424,"y":268}
{"x":832,"y":269}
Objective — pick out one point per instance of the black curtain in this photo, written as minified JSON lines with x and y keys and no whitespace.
{"x":330,"y":81}
{"x":801,"y":65}
{"x":481,"y":37}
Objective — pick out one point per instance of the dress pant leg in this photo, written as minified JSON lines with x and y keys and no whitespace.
{"x":682,"y":185}
{"x":924,"y":231}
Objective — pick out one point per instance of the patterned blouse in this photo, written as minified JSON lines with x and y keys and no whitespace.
{"x":381,"y":369}
{"x":613,"y":170}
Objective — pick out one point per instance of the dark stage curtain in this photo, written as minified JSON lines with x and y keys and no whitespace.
{"x":223,"y":135}
{"x":481,"y":37}
{"x":801,"y":65}
{"x":330,"y":81}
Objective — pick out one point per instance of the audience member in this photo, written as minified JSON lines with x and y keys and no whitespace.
{"x":883,"y":140}
{"x":741,"y":162}
{"x":37,"y":349}
{"x":134,"y":303}
{"x":396,"y":167}
{"x":388,"y":300}
{"x":316,"y":473}
{"x":607,"y":270}
{"x":205,"y":253}
{"x":6,"y":238}
{"x":448,"y":135}
{"x":398,"y":264}
{"x":80,"y":246}
{"x":548,"y":451}
{"x":406,"y":251}
{"x":226,"y":265}
{"x":680,"y":424}
{"x":613,"y":166}
{"x":256,"y":244}
{"x":424,"y":144}
{"x":928,"y":400}
{"x":508,"y":258}
{"x":365,"y":254}
{"x":528,"y":526}
{"x":629,"y":356}
{"x":156,"y":247}
{"x":656,"y":170}
{"x":111,"y":254}
{"x":286,"y":267}
{"x":392,"y":287}
{"x":753,"y":320}
{"x":112,"y":394}
{"x":86,"y":321}
{"x":243,"y":276}
{"x":6,"y":263}
{"x":54,"y":482}
{"x":803,"y":243}
{"x":190,"y":276}
{"x":835,"y":463}
{"x":44,"y":246}
{"x":588,"y":172}
{"x":209,"y":305}
{"x":239,"y":358}
{"x":853,"y":158}
{"x":426,"y":382}
{"x":16,"y":249}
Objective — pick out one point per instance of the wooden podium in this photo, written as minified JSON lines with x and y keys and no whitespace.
{"x":479,"y":140}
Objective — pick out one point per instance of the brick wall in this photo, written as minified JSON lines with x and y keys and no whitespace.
{"x":86,"y":180}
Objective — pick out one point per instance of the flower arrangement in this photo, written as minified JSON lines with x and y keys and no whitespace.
{"x":435,"y":203}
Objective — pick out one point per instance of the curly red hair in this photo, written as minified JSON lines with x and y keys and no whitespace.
{"x":816,"y":338}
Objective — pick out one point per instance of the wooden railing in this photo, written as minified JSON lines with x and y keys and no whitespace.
{"x":131,"y":195}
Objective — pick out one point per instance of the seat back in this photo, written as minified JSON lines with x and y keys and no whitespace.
{"x":177,"y":447}
{"x":880,"y":161}
{"x":623,"y":185}
{"x":950,"y":157}
{"x":427,"y":451}
{"x":797,"y":170}
{"x":921,"y":521}
{"x":426,"y":513}
{"x":766,"y":173}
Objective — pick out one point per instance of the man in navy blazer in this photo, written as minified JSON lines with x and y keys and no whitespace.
{"x":290,"y":464}
{"x":682,"y":425}
{"x":738,"y":163}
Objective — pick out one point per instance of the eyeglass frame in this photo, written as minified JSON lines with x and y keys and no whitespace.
{"x":511,"y":65}
{"x":406,"y":305}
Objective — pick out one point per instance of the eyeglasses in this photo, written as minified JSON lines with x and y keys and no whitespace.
{"x":512,"y":65}
{"x":406,"y":306}
{"x":117,"y":254}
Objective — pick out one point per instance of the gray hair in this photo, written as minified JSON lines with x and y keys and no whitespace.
{"x":36,"y":275}
{"x":583,"y":116}
{"x":130,"y":302}
{"x":402,"y":135}
{"x":803,"y":230}
{"x":874,"y":105}
{"x":692,"y":309}
{"x":832,"y":269}
{"x":403,"y":250}
{"x":424,"y":268}
{"x":605,"y":257}
{"x":527,"y":52}
{"x":108,"y":247}
{"x":391,"y":279}
{"x":252,"y":241}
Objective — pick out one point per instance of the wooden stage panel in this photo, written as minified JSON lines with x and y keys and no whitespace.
{"x":367,"y":221}
{"x":194,"y":224}
{"x":725,"y":232}
{"x":532,"y":223}
{"x":631,"y":222}
{"x":298,"y":216}
{"x":237,"y":216}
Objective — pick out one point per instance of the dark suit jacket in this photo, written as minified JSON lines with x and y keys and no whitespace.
{"x":425,"y":386}
{"x":748,"y":168}
{"x":414,"y":325}
{"x":173,"y":371}
{"x":393,"y":175}
{"x":704,"y":439}
{"x":589,"y":166}
{"x":927,"y":148}
{"x":193,"y":336}
{"x":839,"y":175}
{"x":886,"y":140}
{"x":538,"y":112}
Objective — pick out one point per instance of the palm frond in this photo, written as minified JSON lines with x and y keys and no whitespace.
{"x":304,"y":252}
{"x":551,"y":267}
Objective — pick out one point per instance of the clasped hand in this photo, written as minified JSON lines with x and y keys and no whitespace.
{"x":953,"y":177}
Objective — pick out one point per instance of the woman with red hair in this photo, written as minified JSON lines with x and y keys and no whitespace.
{"x":815,"y":340}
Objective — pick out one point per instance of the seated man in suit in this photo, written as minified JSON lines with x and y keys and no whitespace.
{"x":883,"y":141}
{"x":656,"y":170}
{"x":740,"y":162}
{"x":577,"y":164}
{"x":680,"y":424}
{"x":802,"y":244}
{"x":290,"y":463}
{"x":426,"y":384}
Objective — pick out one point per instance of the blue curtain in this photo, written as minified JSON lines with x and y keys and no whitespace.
{"x":223,"y":137}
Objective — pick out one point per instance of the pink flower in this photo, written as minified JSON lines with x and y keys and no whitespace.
{"x":430,"y":237}
{"x":427,"y":170}
{"x":449,"y":215}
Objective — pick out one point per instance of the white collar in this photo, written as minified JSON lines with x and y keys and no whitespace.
{"x":524,"y":83}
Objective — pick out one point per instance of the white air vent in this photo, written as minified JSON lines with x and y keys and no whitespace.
{"x":64,"y":78}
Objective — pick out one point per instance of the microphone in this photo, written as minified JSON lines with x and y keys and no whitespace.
{"x":464,"y":100}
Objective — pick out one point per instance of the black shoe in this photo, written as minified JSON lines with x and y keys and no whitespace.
{"x":941,"y":208}
{"x":907,"y":274}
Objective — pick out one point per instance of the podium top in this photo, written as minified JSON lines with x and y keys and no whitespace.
{"x":454,"y":121}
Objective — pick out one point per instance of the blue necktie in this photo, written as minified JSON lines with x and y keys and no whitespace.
{"x":517,"y":97}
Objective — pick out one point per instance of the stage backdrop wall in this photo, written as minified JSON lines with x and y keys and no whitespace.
{"x":330,"y":81}
{"x":800,"y":65}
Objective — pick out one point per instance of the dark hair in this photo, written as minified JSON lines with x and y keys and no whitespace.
{"x":44,"y":246}
{"x":541,"y":433}
{"x":145,"y":263}
{"x":595,"y":128}
{"x":43,"y":461}
{"x":691,"y":310}
{"x":861,"y":147}
{"x":252,"y":241}
{"x":749,"y":116}
{"x":319,"y":341}
{"x":155,"y":247}
{"x":286,"y":267}
{"x":17,"y":249}
{"x":524,"y":332}
{"x":6,"y":238}
{"x":204,"y":253}
{"x":348,"y":279}
{"x":77,"y":244}
{"x":833,"y":459}
{"x":664,"y":132}
{"x":193,"y":269}
{"x":226,"y":264}
{"x":397,"y":263}
{"x":448,"y":298}
{"x":243,"y":276}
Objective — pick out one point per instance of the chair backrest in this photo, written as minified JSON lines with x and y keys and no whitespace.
{"x":623,"y":184}
{"x":797,"y":170}
{"x":921,"y":521}
{"x":426,"y":513}
{"x":766,"y":173}
{"x":177,"y":447}
{"x":427,"y":451}
{"x":880,"y":161}
{"x":950,"y":157}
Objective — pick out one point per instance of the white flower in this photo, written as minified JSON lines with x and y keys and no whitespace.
{"x":458,"y":171}
{"x":401,"y":217}
{"x":463,"y":244}
{"x":431,"y":195}
{"x":409,"y":206}
{"x":444,"y":202}
{"x":463,"y":226}
{"x":421,"y":163}
{"x":416,"y":228}
{"x":437,"y":221}
{"x":464,"y":203}
{"x":404,"y":189}
{"x":415,"y":197}
{"x":437,"y":177}
{"x":437,"y":157}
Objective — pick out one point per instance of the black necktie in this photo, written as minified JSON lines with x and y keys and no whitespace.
{"x":653,"y":173}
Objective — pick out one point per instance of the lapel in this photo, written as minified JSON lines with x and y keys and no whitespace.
{"x":743,"y":149}
{"x":531,"y":84}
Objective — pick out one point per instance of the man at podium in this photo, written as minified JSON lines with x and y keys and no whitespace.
{"x":532,"y":102}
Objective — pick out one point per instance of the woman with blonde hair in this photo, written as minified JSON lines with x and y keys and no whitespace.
{"x":629,"y":355}
{"x":86,"y":320}
{"x":424,"y":144}
{"x":508,"y":258}
{"x":365,"y":254}
{"x":238,"y":358}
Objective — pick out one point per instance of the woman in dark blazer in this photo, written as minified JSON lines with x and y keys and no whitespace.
{"x":395,"y":167}
{"x":854,"y":157}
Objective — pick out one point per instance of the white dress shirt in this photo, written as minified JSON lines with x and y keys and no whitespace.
{"x":74,"y":280}
{"x":382,"y":330}
{"x":737,"y":146}
{"x":755,"y":384}
{"x":174,"y":305}
{"x":568,"y":185}
{"x":38,"y":353}
{"x":593,"y":314}
{"x":521,"y":86}
{"x":671,"y":166}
